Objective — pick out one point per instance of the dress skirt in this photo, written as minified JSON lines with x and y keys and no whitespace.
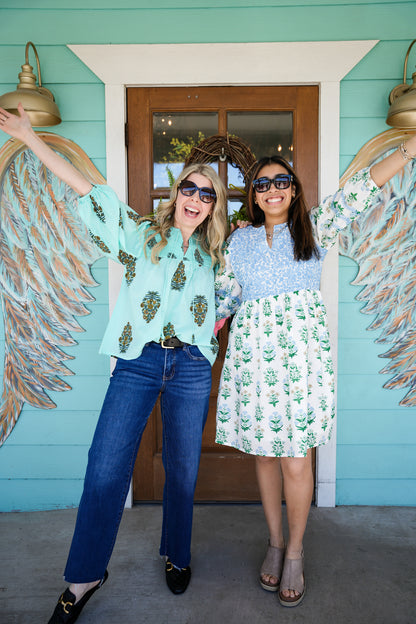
{"x":276,"y":395}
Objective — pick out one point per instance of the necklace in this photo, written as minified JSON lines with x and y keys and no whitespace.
{"x":269,"y":235}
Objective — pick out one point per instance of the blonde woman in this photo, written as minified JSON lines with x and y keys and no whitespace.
{"x":161,"y":332}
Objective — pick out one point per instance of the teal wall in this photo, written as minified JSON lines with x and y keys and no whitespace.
{"x":376,"y":437}
{"x":43,"y":461}
{"x":376,"y":451}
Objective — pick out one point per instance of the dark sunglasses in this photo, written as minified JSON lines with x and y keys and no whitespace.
{"x":206,"y":194}
{"x":281,"y":181}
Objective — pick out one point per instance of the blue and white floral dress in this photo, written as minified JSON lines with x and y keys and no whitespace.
{"x":276,"y":394}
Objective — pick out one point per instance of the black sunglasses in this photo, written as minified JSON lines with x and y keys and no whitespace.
{"x":281,"y":181}
{"x":206,"y":194}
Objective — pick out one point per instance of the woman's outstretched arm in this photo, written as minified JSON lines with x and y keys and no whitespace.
{"x":19,"y":127}
{"x":382,"y":171}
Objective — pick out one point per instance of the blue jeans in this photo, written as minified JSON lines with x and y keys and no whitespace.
{"x":182,"y":376}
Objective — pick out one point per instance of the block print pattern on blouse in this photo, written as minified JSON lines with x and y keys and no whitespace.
{"x":150,"y":305}
{"x":169,"y":331}
{"x":150,"y":315}
{"x":179,"y":277}
{"x":129,"y":262}
{"x":98,"y":210}
{"x":151,"y":243}
{"x":125,"y":338}
{"x":97,"y":240}
{"x":133,"y":216}
{"x":198,"y":257}
{"x":199,"y":308}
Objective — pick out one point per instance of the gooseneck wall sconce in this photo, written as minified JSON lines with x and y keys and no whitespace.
{"x":402,"y":112}
{"x":37,"y":101}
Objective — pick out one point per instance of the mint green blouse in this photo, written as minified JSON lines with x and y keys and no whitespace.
{"x":174,"y":297}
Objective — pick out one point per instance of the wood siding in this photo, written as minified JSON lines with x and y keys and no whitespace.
{"x":43,"y":462}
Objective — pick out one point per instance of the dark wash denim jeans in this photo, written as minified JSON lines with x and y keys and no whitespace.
{"x":182,"y":376}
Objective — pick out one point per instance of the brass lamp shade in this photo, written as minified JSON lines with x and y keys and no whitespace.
{"x":37,"y":101}
{"x":402,"y":112}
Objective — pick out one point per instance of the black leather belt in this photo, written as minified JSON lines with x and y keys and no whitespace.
{"x":171,"y":343}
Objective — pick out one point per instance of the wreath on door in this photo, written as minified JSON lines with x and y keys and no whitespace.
{"x":226,"y":148}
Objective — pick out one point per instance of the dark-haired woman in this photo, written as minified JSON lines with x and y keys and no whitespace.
{"x":276,"y":396}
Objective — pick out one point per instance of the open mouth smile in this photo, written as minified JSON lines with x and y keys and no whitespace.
{"x":191,"y":212}
{"x":274,"y":200}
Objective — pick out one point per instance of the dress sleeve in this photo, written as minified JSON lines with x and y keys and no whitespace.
{"x":113,"y":226}
{"x":337,"y":211}
{"x":227,"y":290}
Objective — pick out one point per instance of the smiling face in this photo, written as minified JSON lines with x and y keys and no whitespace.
{"x":275,"y":202}
{"x":190,"y":212}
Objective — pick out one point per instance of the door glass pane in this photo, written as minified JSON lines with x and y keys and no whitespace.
{"x":174,"y":135}
{"x":234,"y":208}
{"x":266,"y":133}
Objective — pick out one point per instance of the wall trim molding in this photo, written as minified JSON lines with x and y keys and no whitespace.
{"x":271,"y":63}
{"x":203,"y":63}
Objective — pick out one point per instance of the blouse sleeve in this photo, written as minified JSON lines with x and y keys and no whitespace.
{"x":337,"y":211}
{"x":227,"y":290}
{"x":113,"y":226}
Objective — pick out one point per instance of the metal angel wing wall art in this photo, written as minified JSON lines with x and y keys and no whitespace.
{"x":45,"y":259}
{"x":382,"y":242}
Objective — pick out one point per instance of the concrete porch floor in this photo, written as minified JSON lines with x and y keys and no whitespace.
{"x":360,"y":568}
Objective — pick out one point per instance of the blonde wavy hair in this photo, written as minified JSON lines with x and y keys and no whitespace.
{"x":211,"y":233}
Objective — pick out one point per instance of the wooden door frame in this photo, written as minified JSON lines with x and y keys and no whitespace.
{"x":324,"y":63}
{"x":142,"y":102}
{"x":222,"y":469}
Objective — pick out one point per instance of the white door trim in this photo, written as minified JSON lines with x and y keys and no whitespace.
{"x":324,"y":63}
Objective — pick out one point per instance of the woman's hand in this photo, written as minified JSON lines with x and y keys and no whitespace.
{"x":219,"y":325}
{"x":385,"y":169}
{"x":17,"y":126}
{"x":239,"y":224}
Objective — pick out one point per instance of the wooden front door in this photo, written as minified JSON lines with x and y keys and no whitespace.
{"x":163,"y":124}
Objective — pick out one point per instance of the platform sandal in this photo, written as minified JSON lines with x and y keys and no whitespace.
{"x":293,"y":578}
{"x":272,"y":565}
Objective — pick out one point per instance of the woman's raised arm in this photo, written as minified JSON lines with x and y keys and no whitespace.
{"x":382,"y":171}
{"x":19,"y":127}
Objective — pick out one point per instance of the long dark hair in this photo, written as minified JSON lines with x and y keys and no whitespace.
{"x":299,"y":222}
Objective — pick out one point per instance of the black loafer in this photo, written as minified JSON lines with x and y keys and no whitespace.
{"x":66,"y":612}
{"x":177,"y":580}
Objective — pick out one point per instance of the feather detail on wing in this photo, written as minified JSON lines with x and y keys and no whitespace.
{"x":383,"y":243}
{"x":45,"y":259}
